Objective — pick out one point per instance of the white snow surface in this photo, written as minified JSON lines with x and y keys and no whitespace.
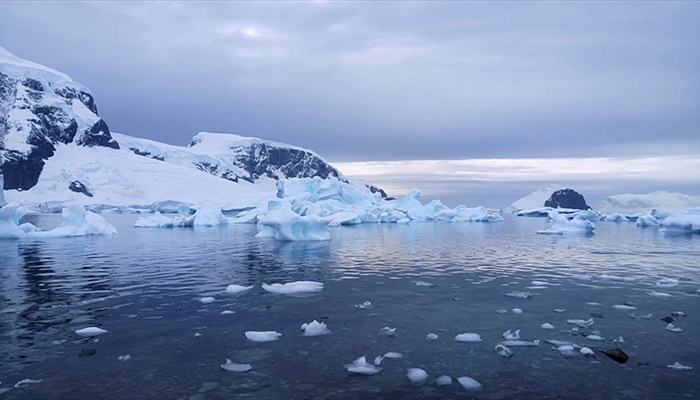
{"x":644,"y":203}
{"x":533,"y":200}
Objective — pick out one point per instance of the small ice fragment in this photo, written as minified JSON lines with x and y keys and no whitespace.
{"x":293,"y":287}
{"x":362,"y":367}
{"x":468,"y":337}
{"x":417,"y":376}
{"x":233,"y":367}
{"x":517,"y":311}
{"x":678,"y":314}
{"x":233,"y":289}
{"x":642,"y":316}
{"x":583,"y":323}
{"x":593,"y":303}
{"x":443,"y":380}
{"x":262,"y":336}
{"x":585,"y":351}
{"x":124,"y":358}
{"x":393,"y":355}
{"x":675,"y":365}
{"x":567,"y":350}
{"x":595,"y":337}
{"x":197,"y":334}
{"x":583,"y":277}
{"x":659,"y":294}
{"x":424,"y":284}
{"x":547,"y":325}
{"x":501,"y":311}
{"x":315,"y":328}
{"x":503,"y":351}
{"x":667,"y":283}
{"x":673,"y":328}
{"x":364,"y":306}
{"x":514,"y":343}
{"x":559,"y":310}
{"x":511,"y":335}
{"x":540,"y":283}
{"x":431,"y":336}
{"x":227,"y":312}
{"x":624,"y":307}
{"x":378,"y":360}
{"x":90,"y":331}
{"x":469,"y":383}
{"x":207,"y":300}
{"x":386,"y":331}
{"x":519,"y":295}
{"x":27,"y":383}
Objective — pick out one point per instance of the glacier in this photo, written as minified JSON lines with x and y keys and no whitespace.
{"x":644,"y":203}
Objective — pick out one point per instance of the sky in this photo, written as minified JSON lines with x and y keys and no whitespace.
{"x":432,"y":93}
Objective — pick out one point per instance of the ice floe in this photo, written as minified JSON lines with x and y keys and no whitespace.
{"x":76,"y":222}
{"x":25,"y":383}
{"x":583,"y":323}
{"x":679,"y":366}
{"x":315,"y":328}
{"x":233,"y":367}
{"x":392,"y":355}
{"x":511,"y":335}
{"x":294,"y":287}
{"x":503,"y":351}
{"x":659,"y":294}
{"x":517,"y":311}
{"x":262,"y":336}
{"x":362,"y":367}
{"x":417,"y":376}
{"x":386,"y":331}
{"x":124,"y":357}
{"x":469,"y":383}
{"x":227,"y":312}
{"x":667,"y":283}
{"x":207,"y":300}
{"x":673,"y":328}
{"x":624,"y":307}
{"x":547,"y":326}
{"x":585,"y":351}
{"x":90,"y":331}
{"x":468,"y":337}
{"x":431,"y":336}
{"x":364,"y":305}
{"x":443,"y":380}
{"x":522,"y":343}
{"x":519,"y":295}
{"x":233,"y":289}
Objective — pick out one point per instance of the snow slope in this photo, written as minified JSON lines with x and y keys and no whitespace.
{"x":535,"y":199}
{"x":643,"y":203}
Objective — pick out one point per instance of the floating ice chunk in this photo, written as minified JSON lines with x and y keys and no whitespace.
{"x":682,"y":223}
{"x":517,"y":311}
{"x":8,"y":225}
{"x":468,"y":337}
{"x":262,"y":336}
{"x":390,"y":355}
{"x":24,"y":383}
{"x":425,"y":284}
{"x":585,"y":351}
{"x":547,"y":326}
{"x":559,"y":310}
{"x":233,"y":367}
{"x":583,"y":277}
{"x":315,"y":328}
{"x":678,"y":314}
{"x":364,"y":306}
{"x":519,"y":295}
{"x":233,"y":289}
{"x":90,"y":331}
{"x":583,"y":323}
{"x":503,"y":351}
{"x":647,"y":220}
{"x":77,"y":222}
{"x":667,"y":283}
{"x":561,"y":225}
{"x":595,"y":337}
{"x":511,"y":335}
{"x":567,"y":350}
{"x":403,"y":221}
{"x":624,"y":307}
{"x":673,"y":328}
{"x":443,"y":380}
{"x":362,"y":367}
{"x":659,"y":294}
{"x":610,"y":277}
{"x":124,"y":358}
{"x":386,"y":331}
{"x":294,"y":287}
{"x":501,"y":311}
{"x":540,"y":283}
{"x":469,"y":383}
{"x":678,"y":365}
{"x":227,"y":312}
{"x":207,"y":300}
{"x":281,"y":223}
{"x":593,"y":303}
{"x":431,"y":336}
{"x":619,"y":340}
{"x":640,"y":316}
{"x":523,"y":343}
{"x":417,"y":376}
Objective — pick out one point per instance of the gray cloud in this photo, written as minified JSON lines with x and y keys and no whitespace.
{"x":384,"y":80}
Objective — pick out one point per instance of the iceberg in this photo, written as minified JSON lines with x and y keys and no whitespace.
{"x":293,"y":287}
{"x":469,"y":383}
{"x":281,"y":223}
{"x":76,"y":222}
{"x":362,"y":367}
{"x":561,"y":225}
{"x":207,"y":214}
{"x":417,"y":376}
{"x":685,"y":222}
{"x":443,"y":380}
{"x":8,"y":224}
{"x":315,"y":328}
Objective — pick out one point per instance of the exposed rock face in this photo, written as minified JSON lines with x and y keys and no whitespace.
{"x":40,"y":109}
{"x":78,"y":187}
{"x":567,"y":198}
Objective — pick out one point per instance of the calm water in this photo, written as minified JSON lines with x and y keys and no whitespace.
{"x":144,"y":286}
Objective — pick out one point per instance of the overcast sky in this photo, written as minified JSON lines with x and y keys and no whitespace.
{"x":386,"y":81}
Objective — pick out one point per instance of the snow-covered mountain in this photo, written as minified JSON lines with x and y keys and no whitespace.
{"x":642,"y":203}
{"x":535,"y":199}
{"x":54,"y":148}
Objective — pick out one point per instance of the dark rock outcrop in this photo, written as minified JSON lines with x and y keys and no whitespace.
{"x":78,"y":187}
{"x":567,"y":198}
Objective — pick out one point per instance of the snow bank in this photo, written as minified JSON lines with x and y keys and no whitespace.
{"x":562,"y":225}
{"x":644,"y":203}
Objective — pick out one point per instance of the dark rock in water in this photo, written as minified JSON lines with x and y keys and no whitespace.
{"x":643,"y":364}
{"x":597,"y":315}
{"x":87,"y":352}
{"x":616,"y":355}
{"x":567,"y":198}
{"x":668,"y":320}
{"x":78,"y":187}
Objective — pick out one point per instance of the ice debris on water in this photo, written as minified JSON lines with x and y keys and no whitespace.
{"x":424,"y":284}
{"x":233,"y":289}
{"x":293,"y":287}
{"x":559,"y":310}
{"x":583,"y":323}
{"x":390,"y":355}
{"x":511,"y":335}
{"x":468,"y":337}
{"x":207,"y":300}
{"x":595,"y":337}
{"x":227,"y":312}
{"x":624,"y":307}
{"x":640,"y":316}
{"x":517,"y":311}
{"x":124,"y":358}
{"x":567,"y":350}
{"x":417,"y":376}
{"x":679,"y":366}
{"x":315,"y":328}
{"x":667,"y":283}
{"x":90,"y":331}
{"x":262,"y":336}
{"x":547,"y":326}
{"x":659,"y":294}
{"x":443,"y":380}
{"x":363,"y":306}
{"x":362,"y":367}
{"x":503,"y":351}
{"x":469,"y":383}
{"x":431,"y":336}
{"x":585,"y":351}
{"x":673,"y":328}
{"x":515,"y":343}
{"x":233,"y":367}
{"x":386,"y":331}
{"x":519,"y":295}
{"x":27,"y":383}
{"x":678,"y":314}
{"x":501,"y":311}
